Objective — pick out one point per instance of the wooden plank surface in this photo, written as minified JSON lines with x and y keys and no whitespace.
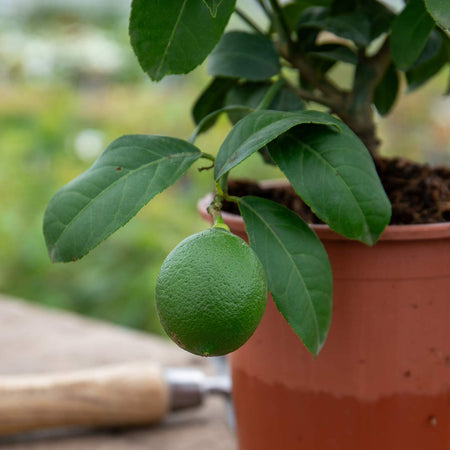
{"x":37,"y":340}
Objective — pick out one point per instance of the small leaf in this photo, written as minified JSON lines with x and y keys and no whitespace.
{"x":128,"y":174}
{"x":212,"y":98}
{"x":256,"y":130}
{"x":419,"y":74}
{"x":387,"y":90}
{"x":440,"y":10}
{"x":251,"y":93}
{"x":334,"y":174}
{"x":380,"y":17}
{"x":244,"y":55}
{"x":409,"y":34}
{"x":307,"y":36}
{"x":335,"y":52}
{"x":431,"y":48}
{"x":212,"y":5}
{"x":297,"y":268}
{"x":175,"y":36}
{"x":354,"y":26}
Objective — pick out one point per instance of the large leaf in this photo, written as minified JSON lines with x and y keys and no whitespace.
{"x":128,"y":174}
{"x":256,"y":130}
{"x":335,"y":175}
{"x":387,"y":90}
{"x":440,"y":10}
{"x":175,"y":36}
{"x":297,"y":269}
{"x":213,"y":5}
{"x":244,"y":55}
{"x":409,"y":34}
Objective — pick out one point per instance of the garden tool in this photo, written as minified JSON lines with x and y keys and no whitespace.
{"x":121,"y":395}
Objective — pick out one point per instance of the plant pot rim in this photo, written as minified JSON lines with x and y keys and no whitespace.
{"x":391,"y":233}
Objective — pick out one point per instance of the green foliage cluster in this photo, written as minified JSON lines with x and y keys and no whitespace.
{"x":323,"y":158}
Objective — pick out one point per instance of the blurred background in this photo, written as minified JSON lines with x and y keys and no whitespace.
{"x":69,"y":85}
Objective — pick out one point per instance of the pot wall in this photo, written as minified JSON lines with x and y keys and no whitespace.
{"x":382,"y":380}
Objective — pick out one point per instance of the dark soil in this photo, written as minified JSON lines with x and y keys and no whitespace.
{"x":418,"y":193}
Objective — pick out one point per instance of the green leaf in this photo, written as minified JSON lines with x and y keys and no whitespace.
{"x":212,"y":98}
{"x":212,"y":5}
{"x":354,"y":26}
{"x":440,"y":10}
{"x":297,"y":268}
{"x":293,"y":11}
{"x":380,"y":17}
{"x":409,"y":34}
{"x":419,"y":74}
{"x":334,"y":174}
{"x":175,"y":36}
{"x":335,"y":52}
{"x":306,"y":36}
{"x":256,"y":130}
{"x":387,"y":90}
{"x":343,"y":6}
{"x":431,"y":48}
{"x":128,"y":174}
{"x":244,"y":55}
{"x":211,"y":118}
{"x":251,"y":93}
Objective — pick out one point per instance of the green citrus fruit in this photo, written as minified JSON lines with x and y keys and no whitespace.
{"x":211,"y":293}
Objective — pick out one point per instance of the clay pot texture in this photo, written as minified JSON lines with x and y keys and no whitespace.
{"x":382,"y":379}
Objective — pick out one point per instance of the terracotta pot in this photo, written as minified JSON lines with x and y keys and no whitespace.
{"x":382,"y":380}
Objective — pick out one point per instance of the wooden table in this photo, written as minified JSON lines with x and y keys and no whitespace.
{"x":37,"y":340}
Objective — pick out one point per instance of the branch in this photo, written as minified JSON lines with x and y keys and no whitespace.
{"x":379,"y":63}
{"x":323,"y":84}
{"x":284,"y":28}
{"x":265,"y":9}
{"x":249,"y":21}
{"x":311,"y":97}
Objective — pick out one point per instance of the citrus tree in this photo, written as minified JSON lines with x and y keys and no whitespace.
{"x":273,"y":82}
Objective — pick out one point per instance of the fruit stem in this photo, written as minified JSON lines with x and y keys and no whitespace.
{"x":214,"y":210}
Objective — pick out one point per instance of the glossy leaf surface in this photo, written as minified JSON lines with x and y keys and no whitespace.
{"x":257,"y":129}
{"x":334,"y":174}
{"x":128,"y":174}
{"x":175,"y":36}
{"x":212,"y":5}
{"x":297,"y":269}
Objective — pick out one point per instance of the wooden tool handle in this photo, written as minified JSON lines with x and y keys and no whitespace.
{"x":118,"y":395}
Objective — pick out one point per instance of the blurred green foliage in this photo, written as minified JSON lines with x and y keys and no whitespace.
{"x":50,"y":132}
{"x":52,"y":127}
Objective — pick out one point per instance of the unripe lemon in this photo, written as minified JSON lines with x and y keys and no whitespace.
{"x":211,"y":293}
